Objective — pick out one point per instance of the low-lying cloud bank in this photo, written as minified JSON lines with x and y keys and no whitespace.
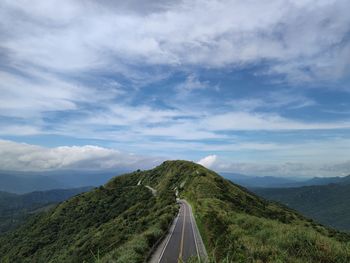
{"x":287,"y":169}
{"x":25,"y":157}
{"x":16,"y":156}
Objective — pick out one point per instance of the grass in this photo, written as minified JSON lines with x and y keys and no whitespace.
{"x":121,"y":222}
{"x":327,"y":204}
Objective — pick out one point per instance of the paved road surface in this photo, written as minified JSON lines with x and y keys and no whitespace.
{"x":180,"y":243}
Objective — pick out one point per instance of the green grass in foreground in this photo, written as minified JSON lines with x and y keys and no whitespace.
{"x":238,"y":226}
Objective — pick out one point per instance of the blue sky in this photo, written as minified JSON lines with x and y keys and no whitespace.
{"x":254,"y":87}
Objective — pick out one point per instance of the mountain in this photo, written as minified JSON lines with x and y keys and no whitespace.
{"x":75,"y":178}
{"x":25,"y":182}
{"x":327,"y":180}
{"x":14,"y":209}
{"x":328,"y":204}
{"x":19,"y":182}
{"x":119,"y":220}
{"x":282,"y":182}
{"x":122,"y":220}
{"x":262,"y":181}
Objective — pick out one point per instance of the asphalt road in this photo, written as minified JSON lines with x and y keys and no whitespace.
{"x":181,"y":243}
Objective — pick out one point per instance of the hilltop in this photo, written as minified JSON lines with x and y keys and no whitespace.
{"x":122,"y":220}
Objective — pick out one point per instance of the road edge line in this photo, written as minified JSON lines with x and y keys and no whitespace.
{"x":182,"y":235}
{"x":194,"y":234}
{"x":169,"y":237}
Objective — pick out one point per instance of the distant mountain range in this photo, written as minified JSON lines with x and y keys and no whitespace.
{"x":25,"y":182}
{"x":281,"y":182}
{"x":328,"y":204}
{"x":14,"y":208}
{"x":122,"y":220}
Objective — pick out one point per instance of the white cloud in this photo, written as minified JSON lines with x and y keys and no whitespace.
{"x":208,"y":161}
{"x":50,"y":50}
{"x":192,"y":83}
{"x":290,"y":99}
{"x":73,"y":35}
{"x":278,"y":160}
{"x":45,"y":41}
{"x":26,"y":157}
{"x":233,"y":121}
{"x":287,"y":169}
{"x":43,"y":92}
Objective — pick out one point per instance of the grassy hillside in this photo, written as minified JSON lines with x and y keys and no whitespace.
{"x":14,"y":209}
{"x":328,"y":204}
{"x":119,"y":221}
{"x":238,"y":226}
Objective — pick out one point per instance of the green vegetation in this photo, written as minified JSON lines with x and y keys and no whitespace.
{"x":328,"y":204}
{"x":238,"y":226}
{"x":15,"y":209}
{"x":121,"y":221}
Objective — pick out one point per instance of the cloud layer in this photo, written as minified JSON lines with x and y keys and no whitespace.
{"x":26,"y":157}
{"x":174,"y":78}
{"x":76,"y":35}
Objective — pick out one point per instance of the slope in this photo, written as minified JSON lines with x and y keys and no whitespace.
{"x":122,"y":220}
{"x":14,"y":209}
{"x":238,"y":226}
{"x":328,"y":204}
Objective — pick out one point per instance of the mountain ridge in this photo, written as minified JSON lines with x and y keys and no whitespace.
{"x":327,"y":204}
{"x":122,"y":220}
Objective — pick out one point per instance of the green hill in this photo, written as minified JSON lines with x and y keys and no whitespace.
{"x":14,"y":208}
{"x":121,"y":221}
{"x":328,"y":204}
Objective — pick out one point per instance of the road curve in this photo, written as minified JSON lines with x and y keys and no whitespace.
{"x":181,"y":242}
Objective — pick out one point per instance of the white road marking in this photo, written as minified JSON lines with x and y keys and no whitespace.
{"x":169,"y":237}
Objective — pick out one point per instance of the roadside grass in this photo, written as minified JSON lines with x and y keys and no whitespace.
{"x":238,"y":226}
{"x":121,"y":221}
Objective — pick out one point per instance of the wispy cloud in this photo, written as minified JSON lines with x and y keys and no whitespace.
{"x":27,"y":157}
{"x":301,"y":39}
{"x":166,"y":75}
{"x":289,"y":169}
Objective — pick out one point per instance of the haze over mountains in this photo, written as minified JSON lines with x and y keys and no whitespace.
{"x":329,"y":204}
{"x":25,"y":182}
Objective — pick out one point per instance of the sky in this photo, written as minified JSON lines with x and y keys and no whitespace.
{"x":254,"y":87}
